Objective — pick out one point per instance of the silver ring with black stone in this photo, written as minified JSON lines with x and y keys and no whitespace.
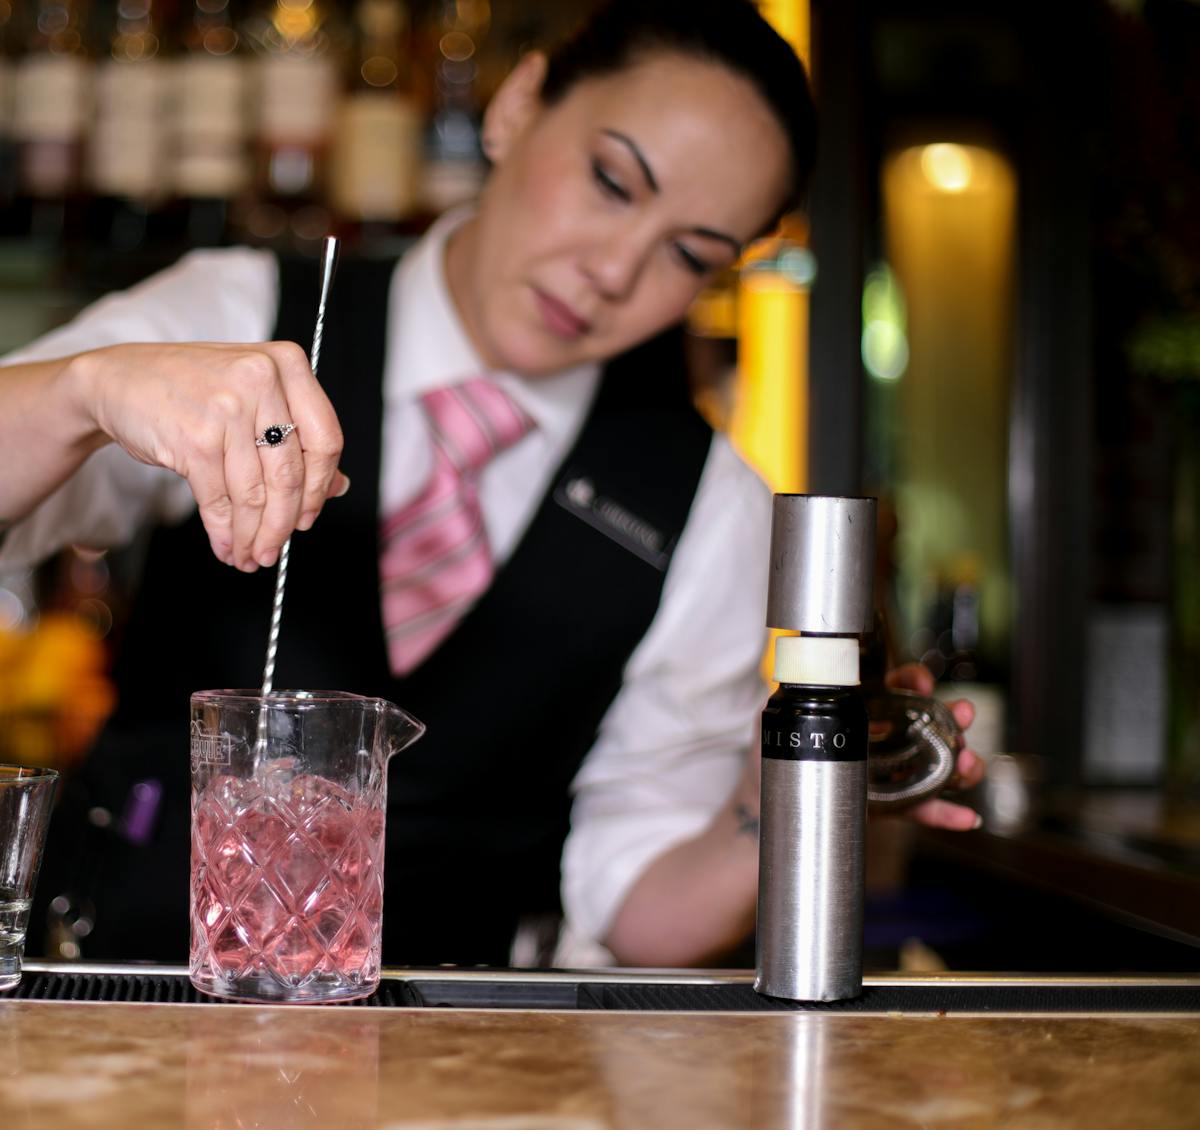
{"x":274,"y":435}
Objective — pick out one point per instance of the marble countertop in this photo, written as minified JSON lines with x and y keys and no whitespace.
{"x":218,"y":1067}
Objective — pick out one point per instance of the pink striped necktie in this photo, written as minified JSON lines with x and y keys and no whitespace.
{"x":435,"y":561}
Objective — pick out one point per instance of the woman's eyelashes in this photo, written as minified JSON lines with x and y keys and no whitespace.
{"x":692,"y":261}
{"x":609,"y":185}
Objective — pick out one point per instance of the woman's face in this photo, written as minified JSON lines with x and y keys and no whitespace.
{"x":608,"y":211}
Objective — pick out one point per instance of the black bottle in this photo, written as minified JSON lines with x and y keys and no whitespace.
{"x":813,"y":825}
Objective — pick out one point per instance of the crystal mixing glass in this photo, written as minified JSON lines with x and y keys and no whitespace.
{"x":288,"y":845}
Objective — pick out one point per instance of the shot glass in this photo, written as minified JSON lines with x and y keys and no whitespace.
{"x":26,"y":799}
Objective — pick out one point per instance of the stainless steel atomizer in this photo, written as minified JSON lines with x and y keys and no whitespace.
{"x":814,"y":750}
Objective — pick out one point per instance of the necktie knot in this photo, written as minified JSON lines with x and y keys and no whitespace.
{"x":474,"y":421}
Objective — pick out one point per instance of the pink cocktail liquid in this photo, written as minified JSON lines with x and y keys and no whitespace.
{"x":287,"y":889}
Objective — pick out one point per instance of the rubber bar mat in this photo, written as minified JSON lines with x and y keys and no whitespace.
{"x":142,"y":988}
{"x":900,"y":998}
{"x":497,"y":994}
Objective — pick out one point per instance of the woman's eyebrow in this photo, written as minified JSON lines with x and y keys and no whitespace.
{"x":648,"y":173}
{"x":708,"y":233}
{"x":631,"y":145}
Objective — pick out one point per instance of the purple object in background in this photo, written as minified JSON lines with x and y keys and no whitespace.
{"x":140,"y":814}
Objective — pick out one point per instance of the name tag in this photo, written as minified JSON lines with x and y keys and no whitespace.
{"x":578,"y":494}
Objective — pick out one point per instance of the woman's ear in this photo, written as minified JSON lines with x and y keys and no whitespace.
{"x":513,"y":106}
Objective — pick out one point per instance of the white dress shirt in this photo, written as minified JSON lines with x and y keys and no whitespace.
{"x":673,"y":742}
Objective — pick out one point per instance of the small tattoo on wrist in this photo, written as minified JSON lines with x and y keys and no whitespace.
{"x":747,"y":820}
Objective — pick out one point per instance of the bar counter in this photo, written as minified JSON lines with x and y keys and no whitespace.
{"x":1130,"y":855}
{"x":556,"y":1066}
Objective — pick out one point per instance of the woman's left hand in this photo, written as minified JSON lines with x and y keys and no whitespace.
{"x":969,"y":768}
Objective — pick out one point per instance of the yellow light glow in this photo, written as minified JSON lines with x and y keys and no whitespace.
{"x":769,"y":422}
{"x":954,"y":258}
{"x":791,"y":19}
{"x":769,"y":425}
{"x":296,"y":20}
{"x":947,"y":167}
{"x":884,"y":350}
{"x":884,"y":339}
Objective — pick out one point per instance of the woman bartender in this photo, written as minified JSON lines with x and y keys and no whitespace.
{"x":545,"y":554}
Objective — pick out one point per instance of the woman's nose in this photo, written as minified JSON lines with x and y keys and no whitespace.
{"x":613,"y":266}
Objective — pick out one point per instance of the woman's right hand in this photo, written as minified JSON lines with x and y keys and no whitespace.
{"x":197,"y":409}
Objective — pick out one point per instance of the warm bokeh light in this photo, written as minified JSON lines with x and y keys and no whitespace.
{"x":884,"y":350}
{"x":946,"y":166}
{"x":769,"y":425}
{"x":791,"y":19}
{"x":885,"y":331}
{"x":953,"y":254}
{"x":294,"y":20}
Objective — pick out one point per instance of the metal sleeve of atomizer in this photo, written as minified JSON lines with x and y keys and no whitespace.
{"x":822,"y":567}
{"x":814,"y":751}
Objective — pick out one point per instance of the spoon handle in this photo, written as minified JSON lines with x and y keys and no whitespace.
{"x":329,"y":253}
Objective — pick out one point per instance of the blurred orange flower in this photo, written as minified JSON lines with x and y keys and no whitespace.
{"x":54,"y":691}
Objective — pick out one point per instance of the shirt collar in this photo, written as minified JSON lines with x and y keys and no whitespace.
{"x":428,"y":347}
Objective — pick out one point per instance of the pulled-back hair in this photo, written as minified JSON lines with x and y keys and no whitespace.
{"x":731,"y":33}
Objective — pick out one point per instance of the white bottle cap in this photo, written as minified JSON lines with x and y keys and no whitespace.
{"x":816,"y":661}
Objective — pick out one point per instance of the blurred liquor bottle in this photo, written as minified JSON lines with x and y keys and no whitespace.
{"x":454,"y":161}
{"x":957,"y":655}
{"x":376,"y":155}
{"x":127,"y":143}
{"x":51,"y":105}
{"x":296,"y":81}
{"x":955,"y":621}
{"x":209,"y":159}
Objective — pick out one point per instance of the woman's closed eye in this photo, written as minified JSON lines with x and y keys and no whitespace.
{"x":608,"y":184}
{"x":691,"y":260}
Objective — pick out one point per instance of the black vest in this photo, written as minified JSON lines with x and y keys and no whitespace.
{"x":478,"y":809}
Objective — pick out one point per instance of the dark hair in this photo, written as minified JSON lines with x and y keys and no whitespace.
{"x":729,"y":32}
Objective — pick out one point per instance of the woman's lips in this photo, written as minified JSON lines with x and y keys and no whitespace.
{"x":558,"y":317}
